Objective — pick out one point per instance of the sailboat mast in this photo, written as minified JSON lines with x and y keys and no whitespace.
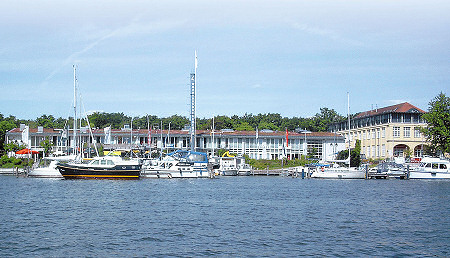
{"x":74,"y":109}
{"x":348,"y":115}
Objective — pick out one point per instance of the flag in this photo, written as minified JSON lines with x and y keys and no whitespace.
{"x":25,"y":135}
{"x":107,"y":131}
{"x":149,"y":137}
{"x":287,"y":138}
{"x":64,"y":134}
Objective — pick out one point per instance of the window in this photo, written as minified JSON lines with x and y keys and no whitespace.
{"x":364,"y":135}
{"x":396,"y":131}
{"x":406,"y":132}
{"x":383,"y":132}
{"x":442,"y":166}
{"x":378,"y":133}
{"x":417,"y":132}
{"x":383,"y":150}
{"x":373,"y":150}
{"x":373,"y":134}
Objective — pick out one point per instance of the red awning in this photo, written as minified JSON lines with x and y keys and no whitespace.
{"x":27,"y":151}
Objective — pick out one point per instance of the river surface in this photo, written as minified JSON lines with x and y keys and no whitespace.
{"x":228,"y":216}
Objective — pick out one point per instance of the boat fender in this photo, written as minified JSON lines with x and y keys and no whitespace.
{"x":323,"y":169}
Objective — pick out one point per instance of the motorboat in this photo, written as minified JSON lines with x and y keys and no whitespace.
{"x":387,"y":170}
{"x":107,"y":167}
{"x":178,"y":164}
{"x":244,"y":170}
{"x":47,"y":167}
{"x":228,"y":166}
{"x":431,"y":168}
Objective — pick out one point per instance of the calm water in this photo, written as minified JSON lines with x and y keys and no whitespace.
{"x":235,"y":216}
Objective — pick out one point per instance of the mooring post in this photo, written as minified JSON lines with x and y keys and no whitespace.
{"x":367,"y":171}
{"x":303,"y":173}
{"x":407,"y":171}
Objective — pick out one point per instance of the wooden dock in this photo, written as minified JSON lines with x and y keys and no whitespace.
{"x":13,"y":171}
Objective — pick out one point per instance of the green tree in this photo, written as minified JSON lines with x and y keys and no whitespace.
{"x":438,"y":123}
{"x":322,"y":120}
{"x":14,"y":146}
{"x":5,"y":126}
{"x":355,"y":157}
{"x":244,"y":126}
{"x":47,"y":121}
{"x":267,"y":125}
{"x":47,"y":145}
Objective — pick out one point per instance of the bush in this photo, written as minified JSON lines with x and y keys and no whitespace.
{"x":6,"y":162}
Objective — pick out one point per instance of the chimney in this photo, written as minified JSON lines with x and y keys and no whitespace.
{"x":22,"y":127}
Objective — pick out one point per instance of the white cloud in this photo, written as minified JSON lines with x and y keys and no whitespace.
{"x":325,"y":33}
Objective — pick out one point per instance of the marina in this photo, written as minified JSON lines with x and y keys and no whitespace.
{"x":225,"y":129}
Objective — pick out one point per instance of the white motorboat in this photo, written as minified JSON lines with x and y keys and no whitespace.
{"x":228,"y":166}
{"x":431,"y":168}
{"x":47,"y":167}
{"x":178,"y":164}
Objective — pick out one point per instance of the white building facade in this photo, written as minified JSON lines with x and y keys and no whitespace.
{"x":255,"y":144}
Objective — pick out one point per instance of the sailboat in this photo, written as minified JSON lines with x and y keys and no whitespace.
{"x":336,"y":171}
{"x":108,"y":167}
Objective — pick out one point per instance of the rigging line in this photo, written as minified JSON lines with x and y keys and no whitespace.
{"x":89,"y":125}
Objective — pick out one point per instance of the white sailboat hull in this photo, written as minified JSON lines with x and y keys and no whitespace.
{"x":339,"y":174}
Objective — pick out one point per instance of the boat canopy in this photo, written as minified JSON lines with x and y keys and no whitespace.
{"x":189,"y":156}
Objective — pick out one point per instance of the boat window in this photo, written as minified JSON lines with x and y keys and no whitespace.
{"x":95,"y":162}
{"x":110,"y":162}
{"x":435,"y":166}
{"x":103,"y":162}
{"x":428,"y":165}
{"x":196,"y":157}
{"x":442,"y":166}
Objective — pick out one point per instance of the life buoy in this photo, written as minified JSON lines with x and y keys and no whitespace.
{"x":323,"y":169}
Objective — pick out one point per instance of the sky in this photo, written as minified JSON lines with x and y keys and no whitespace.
{"x":290,"y":57}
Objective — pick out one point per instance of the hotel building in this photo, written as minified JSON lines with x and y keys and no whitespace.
{"x":386,"y":132}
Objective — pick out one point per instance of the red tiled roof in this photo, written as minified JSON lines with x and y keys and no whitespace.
{"x":35,"y":130}
{"x":399,"y":108}
{"x":183,"y":132}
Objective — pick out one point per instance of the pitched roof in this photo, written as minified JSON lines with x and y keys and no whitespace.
{"x":399,"y":108}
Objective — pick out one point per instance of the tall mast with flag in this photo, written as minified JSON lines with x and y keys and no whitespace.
{"x":193,"y":117}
